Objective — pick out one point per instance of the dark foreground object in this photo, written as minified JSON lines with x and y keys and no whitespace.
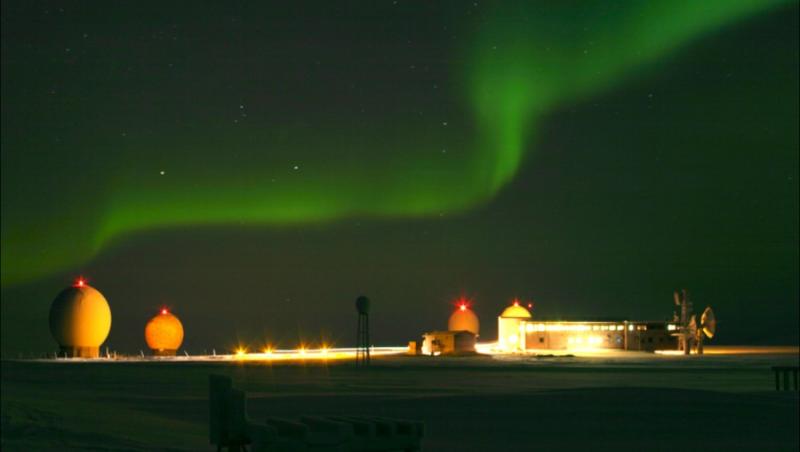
{"x":784,"y":373}
{"x":230,"y":427}
{"x":564,"y":404}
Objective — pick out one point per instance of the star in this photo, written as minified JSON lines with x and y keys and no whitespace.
{"x":162,"y":172}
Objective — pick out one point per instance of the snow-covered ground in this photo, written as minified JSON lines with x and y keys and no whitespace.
{"x":635,"y":401}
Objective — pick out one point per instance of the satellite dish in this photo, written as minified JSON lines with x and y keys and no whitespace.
{"x":708,"y":323}
{"x":362,"y":305}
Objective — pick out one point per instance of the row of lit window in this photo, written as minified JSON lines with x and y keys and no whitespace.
{"x":591,"y":340}
{"x":531,"y":327}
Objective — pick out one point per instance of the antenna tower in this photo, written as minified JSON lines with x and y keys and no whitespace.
{"x":362,"y":333}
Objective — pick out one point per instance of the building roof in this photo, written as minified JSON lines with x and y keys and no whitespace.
{"x":515,"y":311}
{"x":441,"y":333}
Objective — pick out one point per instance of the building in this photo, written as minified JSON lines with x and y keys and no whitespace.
{"x":80,"y":320}
{"x":519,"y":332}
{"x":510,"y":328}
{"x":624,"y":335}
{"x":437,"y":343}
{"x":461,"y":335}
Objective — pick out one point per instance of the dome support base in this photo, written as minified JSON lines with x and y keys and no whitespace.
{"x":79,"y":352}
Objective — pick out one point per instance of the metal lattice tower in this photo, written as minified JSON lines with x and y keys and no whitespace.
{"x":362,"y":334}
{"x":686,"y":322}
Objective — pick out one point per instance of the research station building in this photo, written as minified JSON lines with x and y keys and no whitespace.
{"x":461,"y":336}
{"x":519,"y":332}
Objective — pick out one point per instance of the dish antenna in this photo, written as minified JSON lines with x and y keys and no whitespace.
{"x":691,"y":333}
{"x":706,"y":329}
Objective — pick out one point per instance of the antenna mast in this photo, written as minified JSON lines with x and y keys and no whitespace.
{"x":362,"y":333}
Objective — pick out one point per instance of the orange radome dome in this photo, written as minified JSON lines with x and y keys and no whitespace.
{"x":80,"y":320}
{"x":464,"y":319}
{"x":164,"y":333}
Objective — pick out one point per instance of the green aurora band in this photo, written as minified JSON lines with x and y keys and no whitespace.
{"x":525,"y":61}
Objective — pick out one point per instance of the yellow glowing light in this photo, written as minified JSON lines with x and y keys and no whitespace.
{"x":513,"y":339}
{"x":325,"y":353}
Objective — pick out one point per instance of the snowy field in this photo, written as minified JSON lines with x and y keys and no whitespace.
{"x":634,"y":401}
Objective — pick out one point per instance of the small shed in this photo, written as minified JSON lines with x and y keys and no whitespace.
{"x":436,"y":343}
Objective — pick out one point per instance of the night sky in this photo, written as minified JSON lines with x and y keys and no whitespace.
{"x":255,"y":167}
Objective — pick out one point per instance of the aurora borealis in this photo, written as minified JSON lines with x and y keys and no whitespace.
{"x":293,"y":146}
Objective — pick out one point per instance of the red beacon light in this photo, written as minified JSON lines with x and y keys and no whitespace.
{"x":80,"y":282}
{"x":164,"y":311}
{"x":463,"y":303}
